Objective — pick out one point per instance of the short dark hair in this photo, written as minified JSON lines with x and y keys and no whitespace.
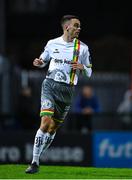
{"x":67,"y":18}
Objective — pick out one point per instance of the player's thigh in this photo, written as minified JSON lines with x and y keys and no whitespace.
{"x":47,"y":99}
{"x":60,"y":111}
{"x":45,"y":122}
{"x":48,"y":124}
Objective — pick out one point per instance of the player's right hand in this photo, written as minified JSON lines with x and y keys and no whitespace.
{"x":38,"y":62}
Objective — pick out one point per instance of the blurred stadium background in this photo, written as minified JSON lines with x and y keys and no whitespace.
{"x":25,"y":27}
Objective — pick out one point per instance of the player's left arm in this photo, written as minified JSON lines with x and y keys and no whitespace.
{"x":85,"y":66}
{"x":44,"y":57}
{"x":76,"y":65}
{"x":86,"y":62}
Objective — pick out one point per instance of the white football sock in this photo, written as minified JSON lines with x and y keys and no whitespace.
{"x":48,"y":138}
{"x":41,"y":143}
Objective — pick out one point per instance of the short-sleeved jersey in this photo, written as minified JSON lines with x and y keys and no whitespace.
{"x":60,"y":55}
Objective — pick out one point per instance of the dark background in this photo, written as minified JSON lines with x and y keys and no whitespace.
{"x":25,"y":28}
{"x":106,"y":28}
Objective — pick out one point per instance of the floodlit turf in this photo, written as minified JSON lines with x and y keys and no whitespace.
{"x":64,"y":172}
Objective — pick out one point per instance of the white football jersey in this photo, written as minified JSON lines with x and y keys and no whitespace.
{"x":59,"y":54}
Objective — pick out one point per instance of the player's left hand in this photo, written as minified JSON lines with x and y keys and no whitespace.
{"x":76,"y":65}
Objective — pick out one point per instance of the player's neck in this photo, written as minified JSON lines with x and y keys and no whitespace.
{"x":67,"y":38}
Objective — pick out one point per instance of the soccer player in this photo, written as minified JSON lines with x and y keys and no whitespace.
{"x":67,"y":57}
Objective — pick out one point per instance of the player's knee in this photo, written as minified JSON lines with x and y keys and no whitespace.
{"x":45,"y":123}
{"x":53,"y":127}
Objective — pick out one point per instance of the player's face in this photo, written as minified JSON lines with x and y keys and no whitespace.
{"x":74,"y":28}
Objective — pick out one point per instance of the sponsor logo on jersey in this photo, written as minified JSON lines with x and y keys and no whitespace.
{"x":62,"y":61}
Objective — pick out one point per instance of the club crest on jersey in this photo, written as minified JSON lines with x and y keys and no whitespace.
{"x":46,"y":104}
{"x":56,"y":51}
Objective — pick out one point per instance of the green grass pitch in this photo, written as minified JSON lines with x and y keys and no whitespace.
{"x":64,"y":172}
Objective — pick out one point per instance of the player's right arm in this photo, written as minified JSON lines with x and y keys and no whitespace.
{"x":44,"y":58}
{"x":38,"y":62}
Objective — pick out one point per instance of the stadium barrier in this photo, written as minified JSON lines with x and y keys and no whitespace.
{"x":67,"y":149}
{"x":112,"y":149}
{"x":99,"y":149}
